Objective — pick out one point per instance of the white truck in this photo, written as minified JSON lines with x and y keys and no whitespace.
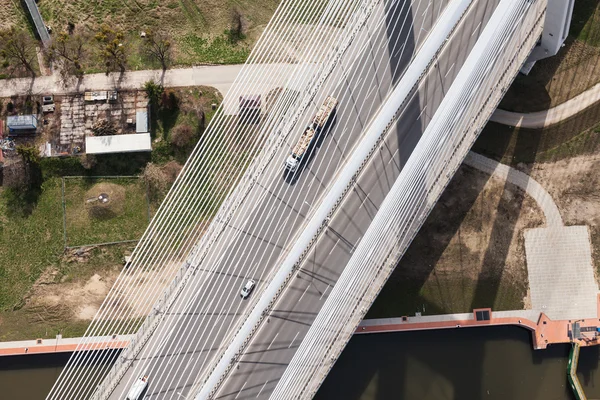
{"x":311,"y":133}
{"x":137,"y":389}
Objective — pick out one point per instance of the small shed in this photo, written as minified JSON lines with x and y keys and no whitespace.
{"x":118,"y":143}
{"x":142,"y":123}
{"x":21,"y":124}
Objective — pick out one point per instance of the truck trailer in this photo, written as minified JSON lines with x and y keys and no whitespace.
{"x":310,"y":134}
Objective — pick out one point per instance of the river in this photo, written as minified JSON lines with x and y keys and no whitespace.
{"x":460,"y":364}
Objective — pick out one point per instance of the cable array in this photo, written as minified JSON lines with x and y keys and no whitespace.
{"x":494,"y":61}
{"x":176,"y":227}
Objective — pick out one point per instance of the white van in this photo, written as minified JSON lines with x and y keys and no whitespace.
{"x":137,"y":389}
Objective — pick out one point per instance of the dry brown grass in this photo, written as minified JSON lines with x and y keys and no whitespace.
{"x":11,"y":14}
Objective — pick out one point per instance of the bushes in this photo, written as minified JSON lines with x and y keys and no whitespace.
{"x":181,"y":135}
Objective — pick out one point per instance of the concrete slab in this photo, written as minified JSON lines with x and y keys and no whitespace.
{"x":561,"y":274}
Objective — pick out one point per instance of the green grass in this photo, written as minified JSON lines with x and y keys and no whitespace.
{"x":195,"y":26}
{"x":125,"y":218}
{"x":28,"y":245}
{"x":219,"y":50}
{"x":585,"y":24}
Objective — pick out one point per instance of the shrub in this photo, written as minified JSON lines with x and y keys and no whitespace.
{"x":181,"y":135}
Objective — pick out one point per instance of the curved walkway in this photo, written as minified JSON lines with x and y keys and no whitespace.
{"x":541,"y":119}
{"x":520,"y":179}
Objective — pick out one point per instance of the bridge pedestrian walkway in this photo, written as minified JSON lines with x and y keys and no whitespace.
{"x":60,"y":345}
{"x":40,"y":27}
{"x":572,"y":373}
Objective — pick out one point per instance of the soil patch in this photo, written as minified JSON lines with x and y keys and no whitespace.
{"x":469,"y":253}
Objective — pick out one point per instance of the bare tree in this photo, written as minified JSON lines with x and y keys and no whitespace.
{"x":112,"y":48}
{"x":69,"y":52}
{"x":17,"y":48}
{"x":157,"y":46}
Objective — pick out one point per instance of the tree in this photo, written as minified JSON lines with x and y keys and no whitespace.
{"x":68,"y":51}
{"x":112,"y":48}
{"x":154,"y":91}
{"x":157,"y":47}
{"x":17,"y":48}
{"x":181,"y":135}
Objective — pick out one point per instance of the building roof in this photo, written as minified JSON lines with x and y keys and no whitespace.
{"x":118,"y":143}
{"x":21,"y":122}
{"x":141,"y":121}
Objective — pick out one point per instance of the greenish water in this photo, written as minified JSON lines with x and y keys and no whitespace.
{"x":476,"y":363}
{"x":457,"y":364}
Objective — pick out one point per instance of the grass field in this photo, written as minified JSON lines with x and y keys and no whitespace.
{"x":124,"y":216}
{"x":29,"y":245}
{"x":197,"y":27}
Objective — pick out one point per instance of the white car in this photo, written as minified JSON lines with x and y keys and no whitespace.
{"x":138,"y":388}
{"x":246,"y":290}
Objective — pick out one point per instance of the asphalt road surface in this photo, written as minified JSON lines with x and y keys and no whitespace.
{"x":254,"y":242}
{"x":272,"y":348}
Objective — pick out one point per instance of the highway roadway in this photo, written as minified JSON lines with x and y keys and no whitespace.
{"x":256,"y":241}
{"x":265,"y":359}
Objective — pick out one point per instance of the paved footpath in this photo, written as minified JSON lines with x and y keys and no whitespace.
{"x":60,"y":345}
{"x":544,"y":331}
{"x":541,"y":119}
{"x":220,"y":77}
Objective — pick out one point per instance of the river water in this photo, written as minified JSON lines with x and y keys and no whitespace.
{"x":457,"y":364}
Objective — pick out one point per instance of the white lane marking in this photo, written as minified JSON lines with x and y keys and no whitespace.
{"x":293,"y":340}
{"x":307,"y":203}
{"x":303,"y":293}
{"x":363,"y":202}
{"x":243,"y":386}
{"x":334,"y":246}
{"x":477,"y":27}
{"x":325,"y":291}
{"x":371,"y":91}
{"x":422,"y":111}
{"x":273,"y":341}
{"x":449,"y":69}
{"x":427,"y":9}
{"x":393,"y":155}
{"x":399,"y":50}
{"x":283,"y":224}
{"x":261,"y":389}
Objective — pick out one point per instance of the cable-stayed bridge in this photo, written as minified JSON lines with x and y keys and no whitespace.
{"x":416,"y":81}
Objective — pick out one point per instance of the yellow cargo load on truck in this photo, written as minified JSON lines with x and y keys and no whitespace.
{"x":311,"y":133}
